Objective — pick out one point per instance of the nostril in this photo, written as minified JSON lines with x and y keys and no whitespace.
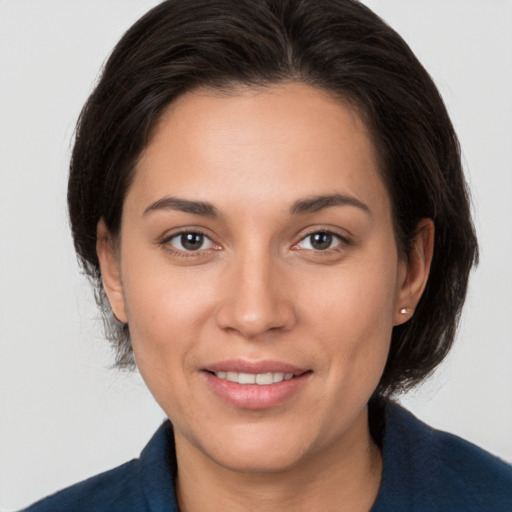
{"x":254,"y":307}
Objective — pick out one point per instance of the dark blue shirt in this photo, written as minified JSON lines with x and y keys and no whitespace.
{"x":424,"y":471}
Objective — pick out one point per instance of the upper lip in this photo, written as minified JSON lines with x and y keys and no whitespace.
{"x":254,"y":367}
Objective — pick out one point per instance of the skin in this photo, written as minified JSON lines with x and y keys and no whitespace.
{"x":258,"y":290}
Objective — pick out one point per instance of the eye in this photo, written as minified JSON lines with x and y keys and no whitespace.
{"x":320,"y":241}
{"x":190,"y":242}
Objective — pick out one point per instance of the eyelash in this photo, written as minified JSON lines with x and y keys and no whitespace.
{"x":183,"y":253}
{"x":342,"y":241}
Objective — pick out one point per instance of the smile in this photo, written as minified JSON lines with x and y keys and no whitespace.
{"x":255,"y":386}
{"x":261,"y":379}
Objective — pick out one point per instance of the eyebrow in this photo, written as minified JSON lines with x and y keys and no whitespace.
{"x":317,"y":203}
{"x":302,"y":206}
{"x":183,"y":205}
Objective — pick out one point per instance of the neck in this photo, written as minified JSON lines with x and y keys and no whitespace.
{"x":345,"y":476}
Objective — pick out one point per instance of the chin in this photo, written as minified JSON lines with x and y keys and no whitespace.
{"x":262,"y":461}
{"x":257,"y":448}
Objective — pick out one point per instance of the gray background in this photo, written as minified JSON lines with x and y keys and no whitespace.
{"x":64,"y":415}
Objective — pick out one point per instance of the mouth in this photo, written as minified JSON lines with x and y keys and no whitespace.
{"x":255,"y":385}
{"x":261,"y":379}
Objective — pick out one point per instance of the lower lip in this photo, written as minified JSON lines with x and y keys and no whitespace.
{"x":255,"y":396}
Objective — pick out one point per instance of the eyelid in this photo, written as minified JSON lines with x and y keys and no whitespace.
{"x":165,"y":241}
{"x":343,"y":240}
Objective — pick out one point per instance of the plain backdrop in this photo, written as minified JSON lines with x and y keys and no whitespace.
{"x":64,"y":414}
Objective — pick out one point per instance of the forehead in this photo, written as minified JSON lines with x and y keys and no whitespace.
{"x":259,"y":146}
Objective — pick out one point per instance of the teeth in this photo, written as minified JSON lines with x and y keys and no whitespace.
{"x":265,"y":378}
{"x":246,"y":378}
{"x":262,"y":379}
{"x":232,"y":376}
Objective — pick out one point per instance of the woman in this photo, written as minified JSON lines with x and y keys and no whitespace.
{"x":278,"y":227}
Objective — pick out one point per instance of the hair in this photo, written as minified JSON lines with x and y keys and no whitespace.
{"x":339,"y":46}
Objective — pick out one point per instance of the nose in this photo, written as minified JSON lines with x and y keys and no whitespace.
{"x":257,"y":301}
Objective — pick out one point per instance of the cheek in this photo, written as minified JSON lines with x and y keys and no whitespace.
{"x":353,"y":314}
{"x":357,"y":298}
{"x":164,"y":315}
{"x":161,"y":311}
{"x":166,"y":307}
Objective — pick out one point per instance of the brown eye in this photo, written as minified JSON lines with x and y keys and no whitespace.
{"x":190,"y":242}
{"x":320,"y":241}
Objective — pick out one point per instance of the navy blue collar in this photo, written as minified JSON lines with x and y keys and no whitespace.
{"x":158,"y":470}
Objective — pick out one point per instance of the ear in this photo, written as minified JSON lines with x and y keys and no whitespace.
{"x":414,"y":273}
{"x":110,"y":273}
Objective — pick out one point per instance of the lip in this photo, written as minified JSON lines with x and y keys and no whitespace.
{"x":245,"y":366}
{"x":254,"y":396}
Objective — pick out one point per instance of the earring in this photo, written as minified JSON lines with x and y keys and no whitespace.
{"x":405,"y":311}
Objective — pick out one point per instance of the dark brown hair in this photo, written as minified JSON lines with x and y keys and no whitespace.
{"x":336,"y":45}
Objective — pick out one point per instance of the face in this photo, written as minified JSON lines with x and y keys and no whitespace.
{"x":258,"y":271}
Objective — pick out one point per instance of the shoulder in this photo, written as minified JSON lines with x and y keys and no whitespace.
{"x":483,"y":478}
{"x":116,"y":490}
{"x":429,"y":470}
{"x":143,"y":484}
